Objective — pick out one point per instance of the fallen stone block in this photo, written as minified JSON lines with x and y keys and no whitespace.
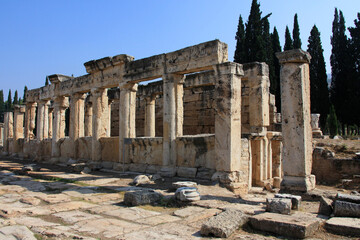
{"x":298,"y":225}
{"x":141,"y":179}
{"x":344,"y":226}
{"x":295,"y":200}
{"x":142,"y":197}
{"x":325,"y":207}
{"x":187,"y":194}
{"x":348,"y":198}
{"x":346,"y":209}
{"x":30,"y":167}
{"x":204,"y":173}
{"x":278,"y":205}
{"x":86,"y":170}
{"x":177,"y":185}
{"x":224,"y":224}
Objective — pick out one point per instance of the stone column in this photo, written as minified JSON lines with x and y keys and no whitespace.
{"x":18,"y":125}
{"x":172,"y":116}
{"x":316,"y":131}
{"x":108,"y":128}
{"x":296,"y":119}
{"x":30,"y":120}
{"x":228,"y":116}
{"x":150,"y":116}
{"x":99,"y":120}
{"x":127,"y":110}
{"x":50,"y":117}
{"x":46,"y":119}
{"x":88,"y":119}
{"x":40,"y":120}
{"x":228,"y":145}
{"x":9,"y":131}
{"x":60,"y":105}
{"x":77,"y":116}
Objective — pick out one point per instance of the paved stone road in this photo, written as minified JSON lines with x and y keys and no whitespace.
{"x":52,"y":204}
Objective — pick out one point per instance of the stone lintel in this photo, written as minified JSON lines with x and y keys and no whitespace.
{"x":57,"y":78}
{"x":106,"y":62}
{"x":256,"y":68}
{"x":293,"y":56}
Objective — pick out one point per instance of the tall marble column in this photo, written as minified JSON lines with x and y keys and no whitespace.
{"x":60,"y":105}
{"x":150,"y":116}
{"x":9,"y":131}
{"x":50,"y":117}
{"x":18,"y":125}
{"x":99,"y":120}
{"x":30,"y":120}
{"x":88,"y":119}
{"x":127,"y":111}
{"x":77,"y":116}
{"x":172,"y":116}
{"x":40,"y":120}
{"x":296,"y":121}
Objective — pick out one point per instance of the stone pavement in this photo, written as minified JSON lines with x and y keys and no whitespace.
{"x":54,"y":204}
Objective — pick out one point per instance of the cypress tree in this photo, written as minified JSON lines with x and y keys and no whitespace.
{"x":254,"y":42}
{"x":16,"y":100}
{"x":355,"y":50}
{"x":332,"y":122}
{"x":46,"y":81}
{"x":340,"y":91}
{"x":2,"y":106}
{"x":296,"y":33}
{"x":319,"y":91}
{"x":275,"y":79}
{"x":239,"y":56}
{"x":24,"y":97}
{"x":288,"y":40}
{"x":9,"y":102}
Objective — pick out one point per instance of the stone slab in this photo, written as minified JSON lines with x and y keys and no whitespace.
{"x":224,"y":224}
{"x":245,"y":208}
{"x":131,"y":214}
{"x":278,"y":205}
{"x":156,"y":220}
{"x":33,"y":222}
{"x":16,"y":232}
{"x":188,"y":211}
{"x":142,"y":197}
{"x":343,"y":226}
{"x":298,"y":225}
{"x":75,"y":216}
{"x":68,"y":206}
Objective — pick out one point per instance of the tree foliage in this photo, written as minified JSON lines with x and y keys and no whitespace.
{"x":318,"y":79}
{"x":296,"y":33}
{"x":275,"y":74}
{"x":288,"y":40}
{"x":239,"y":56}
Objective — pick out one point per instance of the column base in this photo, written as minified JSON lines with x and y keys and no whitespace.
{"x":292,"y":184}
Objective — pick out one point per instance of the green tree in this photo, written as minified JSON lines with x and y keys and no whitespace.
{"x":332,"y":122}
{"x":2,"y":106}
{"x":355,"y":51}
{"x":9,"y":102}
{"x":275,"y":78}
{"x":46,"y":81}
{"x":319,"y":91}
{"x":254,"y":41}
{"x":24,"y":97}
{"x":239,"y":56}
{"x":16,"y":98}
{"x":288,"y":40}
{"x":341,"y":71}
{"x":296,"y":33}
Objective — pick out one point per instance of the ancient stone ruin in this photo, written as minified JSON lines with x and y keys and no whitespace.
{"x":201,"y":117}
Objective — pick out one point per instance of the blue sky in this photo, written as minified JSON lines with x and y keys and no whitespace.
{"x":40,"y":38}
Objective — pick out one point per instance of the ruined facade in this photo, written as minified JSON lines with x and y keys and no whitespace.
{"x":203,"y":117}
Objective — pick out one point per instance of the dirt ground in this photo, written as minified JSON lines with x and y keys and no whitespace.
{"x":343,"y":148}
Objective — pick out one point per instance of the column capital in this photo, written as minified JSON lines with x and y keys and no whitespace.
{"x":61,"y":101}
{"x":293,"y":56}
{"x":133,"y":87}
{"x":79,"y":96}
{"x":150,"y":99}
{"x":31,"y":104}
{"x":173,"y":77}
{"x":229,"y":68}
{"x":19,"y":108}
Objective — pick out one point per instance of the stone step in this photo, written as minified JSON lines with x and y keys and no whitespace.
{"x":298,"y":225}
{"x":344,"y":226}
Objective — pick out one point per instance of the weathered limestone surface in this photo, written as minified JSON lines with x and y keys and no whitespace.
{"x":344,"y":226}
{"x":142,"y":197}
{"x":298,"y":225}
{"x":346,"y":209}
{"x":296,"y":119}
{"x":60,"y":105}
{"x":224,"y":224}
{"x":325,"y":207}
{"x":278,"y":205}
